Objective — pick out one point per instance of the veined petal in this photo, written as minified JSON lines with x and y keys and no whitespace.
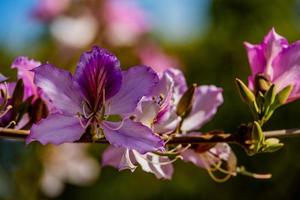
{"x":98,"y":72}
{"x":261,"y":56}
{"x":132,"y":135}
{"x":287,"y":69}
{"x":206,"y":101}
{"x":137,"y":82}
{"x":180,"y":85}
{"x":160,"y":166}
{"x":24,"y":66}
{"x":58,"y":86}
{"x":56,"y":129}
{"x":119,"y":157}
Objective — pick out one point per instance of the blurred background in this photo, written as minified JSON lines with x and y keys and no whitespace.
{"x":204,"y":38}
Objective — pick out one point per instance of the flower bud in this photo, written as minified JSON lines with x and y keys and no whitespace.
{"x":185,"y":104}
{"x":246,"y":95}
{"x":261,"y":83}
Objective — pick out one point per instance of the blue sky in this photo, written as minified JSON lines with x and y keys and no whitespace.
{"x":173,"y":20}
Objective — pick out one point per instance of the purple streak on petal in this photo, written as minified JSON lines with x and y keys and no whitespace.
{"x":137,"y":82}
{"x":132,"y":135}
{"x":24,"y":66}
{"x":56,"y":129}
{"x":58,"y":86}
{"x":180,"y":85}
{"x":2,"y":78}
{"x":287,"y":70}
{"x":98,"y":70}
{"x":155,"y":164}
{"x":207,"y":100}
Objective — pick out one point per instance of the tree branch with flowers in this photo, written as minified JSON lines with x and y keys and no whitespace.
{"x":149,"y":119}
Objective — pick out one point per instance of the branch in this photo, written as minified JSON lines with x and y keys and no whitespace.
{"x":209,"y":137}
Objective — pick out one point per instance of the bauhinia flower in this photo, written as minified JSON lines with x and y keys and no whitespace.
{"x":158,"y":111}
{"x":24,"y":66}
{"x":154,"y":111}
{"x":98,"y":92}
{"x":275,"y":61}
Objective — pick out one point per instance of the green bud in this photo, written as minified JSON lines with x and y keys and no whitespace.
{"x":245,"y":93}
{"x":283,"y":95}
{"x":270,"y":96}
{"x":272,"y":145}
{"x":185,"y":104}
{"x":261,"y":83}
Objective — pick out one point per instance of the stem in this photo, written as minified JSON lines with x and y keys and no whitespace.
{"x":210,"y":137}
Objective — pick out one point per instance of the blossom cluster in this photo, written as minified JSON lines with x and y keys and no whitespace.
{"x":139,"y":110}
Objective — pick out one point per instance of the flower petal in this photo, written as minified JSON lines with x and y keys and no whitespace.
{"x":119,"y":157}
{"x":112,"y":156}
{"x":160,"y":166}
{"x":207,"y":100}
{"x":287,"y":69}
{"x":2,"y":78}
{"x":98,"y":72}
{"x":256,"y":58}
{"x":261,"y":56}
{"x":180,"y":85}
{"x":192,"y":156}
{"x":132,"y":135}
{"x":56,"y":129}
{"x":24,"y":66}
{"x":137,"y":82}
{"x":58,"y":86}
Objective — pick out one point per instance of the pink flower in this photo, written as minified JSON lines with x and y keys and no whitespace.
{"x":24,"y":66}
{"x":153,"y":56}
{"x":276,"y":60}
{"x":125,"y":21}
{"x":48,"y":9}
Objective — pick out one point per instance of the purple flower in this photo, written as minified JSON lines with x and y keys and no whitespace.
{"x":158,"y":112}
{"x":122,"y":158}
{"x":277,"y":61}
{"x":24,"y":66}
{"x":96,"y":92}
{"x":210,"y":157}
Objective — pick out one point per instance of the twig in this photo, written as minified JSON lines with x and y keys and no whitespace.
{"x":210,"y":137}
